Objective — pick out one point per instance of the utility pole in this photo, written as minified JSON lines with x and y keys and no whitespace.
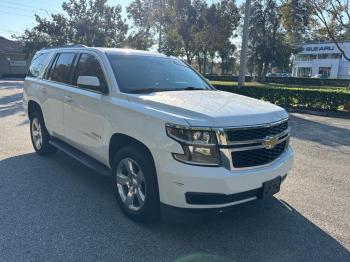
{"x":241,"y":77}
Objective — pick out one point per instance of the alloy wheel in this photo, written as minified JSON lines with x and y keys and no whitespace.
{"x":131,"y":184}
{"x":37,"y":133}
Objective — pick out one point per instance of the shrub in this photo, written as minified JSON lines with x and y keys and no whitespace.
{"x":285,"y":80}
{"x":227,"y":78}
{"x":294,"y":97}
{"x":308,"y":81}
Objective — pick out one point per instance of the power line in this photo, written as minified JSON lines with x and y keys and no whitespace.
{"x":13,"y":13}
{"x":20,"y":9}
{"x":26,"y":5}
{"x":40,"y":1}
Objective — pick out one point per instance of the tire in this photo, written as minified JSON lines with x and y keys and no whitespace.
{"x":130,"y":186}
{"x":40,"y":136}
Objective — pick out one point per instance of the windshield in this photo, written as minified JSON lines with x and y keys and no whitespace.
{"x":146,"y":74}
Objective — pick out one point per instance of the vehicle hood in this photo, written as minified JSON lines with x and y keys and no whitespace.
{"x":212,"y":108}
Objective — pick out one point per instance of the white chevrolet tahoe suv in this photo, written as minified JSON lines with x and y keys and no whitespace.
{"x":172,"y":143}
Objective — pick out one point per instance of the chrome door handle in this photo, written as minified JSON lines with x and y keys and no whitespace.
{"x":68,"y":98}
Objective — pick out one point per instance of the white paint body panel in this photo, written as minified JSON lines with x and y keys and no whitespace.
{"x":213,"y":109}
{"x":90,"y":119}
{"x":84,"y":120}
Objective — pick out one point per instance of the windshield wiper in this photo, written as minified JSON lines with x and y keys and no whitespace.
{"x":151,"y":90}
{"x":148,"y":90}
{"x":192,"y":88}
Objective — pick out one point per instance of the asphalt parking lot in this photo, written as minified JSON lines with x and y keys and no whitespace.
{"x":55,"y":209}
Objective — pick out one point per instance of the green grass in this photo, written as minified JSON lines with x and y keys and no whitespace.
{"x":277,"y":85}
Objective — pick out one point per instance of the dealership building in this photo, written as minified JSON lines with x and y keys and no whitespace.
{"x":322,"y":59}
{"x":13,"y":61}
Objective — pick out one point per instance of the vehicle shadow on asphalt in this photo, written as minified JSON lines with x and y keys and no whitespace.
{"x":11,"y":83}
{"x":11,"y":104}
{"x":320,"y":132}
{"x":54,"y":208}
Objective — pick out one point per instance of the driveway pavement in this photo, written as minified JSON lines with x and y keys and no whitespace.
{"x":55,"y":209}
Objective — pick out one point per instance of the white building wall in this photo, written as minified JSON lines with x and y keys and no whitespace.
{"x":344,"y":69}
{"x":340,"y":67}
{"x":332,"y":63}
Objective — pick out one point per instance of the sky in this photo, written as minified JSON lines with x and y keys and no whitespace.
{"x":18,"y":15}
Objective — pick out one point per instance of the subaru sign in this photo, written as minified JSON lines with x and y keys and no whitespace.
{"x":318,"y":48}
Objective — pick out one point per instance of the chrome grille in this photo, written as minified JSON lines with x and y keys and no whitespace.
{"x":256,"y":133}
{"x":254,"y":146}
{"x":257,"y":157}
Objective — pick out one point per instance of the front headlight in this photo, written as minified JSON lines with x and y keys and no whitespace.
{"x":200,"y":146}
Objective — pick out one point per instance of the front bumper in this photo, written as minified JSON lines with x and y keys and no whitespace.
{"x":177,"y":179}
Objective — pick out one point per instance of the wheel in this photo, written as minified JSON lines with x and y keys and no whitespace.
{"x":40,"y":136}
{"x":136,"y":186}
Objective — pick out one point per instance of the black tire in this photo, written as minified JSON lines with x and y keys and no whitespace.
{"x":45,"y":149}
{"x":150,"y":208}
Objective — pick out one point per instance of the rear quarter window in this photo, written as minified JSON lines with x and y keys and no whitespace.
{"x":38,"y":64}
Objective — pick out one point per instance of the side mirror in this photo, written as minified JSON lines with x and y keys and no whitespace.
{"x":88,"y":82}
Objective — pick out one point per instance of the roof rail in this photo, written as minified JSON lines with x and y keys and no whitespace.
{"x":64,"y":46}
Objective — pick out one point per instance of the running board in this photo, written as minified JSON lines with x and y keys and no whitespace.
{"x":81,"y":157}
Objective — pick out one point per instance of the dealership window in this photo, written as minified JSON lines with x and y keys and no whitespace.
{"x":304,"y":72}
{"x":325,"y":72}
{"x":310,"y":57}
{"x":329,"y":56}
{"x":305,"y":57}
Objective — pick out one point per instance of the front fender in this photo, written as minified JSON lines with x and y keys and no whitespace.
{"x":141,"y":123}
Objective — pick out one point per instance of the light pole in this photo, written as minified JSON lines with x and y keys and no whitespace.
{"x":9,"y":60}
{"x":242,"y":65}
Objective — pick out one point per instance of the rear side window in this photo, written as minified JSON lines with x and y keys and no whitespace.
{"x":62,"y":67}
{"x":88,"y":65}
{"x":38,"y":64}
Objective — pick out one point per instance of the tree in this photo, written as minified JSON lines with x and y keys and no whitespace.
{"x":92,"y":23}
{"x":143,"y":14}
{"x":229,"y":18}
{"x":201,"y":40}
{"x":218,"y":21}
{"x":334,"y":15}
{"x":226,"y":53}
{"x":194,"y":29}
{"x":33,"y":41}
{"x":268,"y":46}
{"x":182,"y":20}
{"x":297,"y":19}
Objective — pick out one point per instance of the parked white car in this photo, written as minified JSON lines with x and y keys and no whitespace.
{"x":172,"y":143}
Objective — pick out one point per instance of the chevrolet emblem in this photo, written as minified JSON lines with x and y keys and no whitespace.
{"x":270,"y":142}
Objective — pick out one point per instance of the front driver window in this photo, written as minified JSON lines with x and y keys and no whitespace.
{"x":88,"y":65}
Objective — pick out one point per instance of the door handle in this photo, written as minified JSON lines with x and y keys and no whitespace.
{"x":43,"y":90}
{"x":68,"y":98}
